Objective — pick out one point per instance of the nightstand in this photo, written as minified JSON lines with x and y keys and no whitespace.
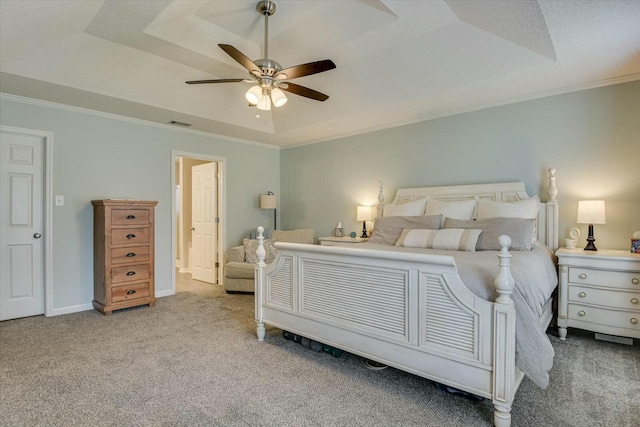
{"x":341,"y":241}
{"x":599,"y":291}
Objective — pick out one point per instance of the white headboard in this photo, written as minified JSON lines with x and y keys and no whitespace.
{"x":547,"y":222}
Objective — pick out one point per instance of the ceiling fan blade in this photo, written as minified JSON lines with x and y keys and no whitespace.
{"x":305,"y":69}
{"x":304,"y":91}
{"x":199,"y":82}
{"x":241,"y":58}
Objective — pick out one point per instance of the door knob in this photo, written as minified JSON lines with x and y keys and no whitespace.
{"x":37,"y":235}
{"x":193,"y":229}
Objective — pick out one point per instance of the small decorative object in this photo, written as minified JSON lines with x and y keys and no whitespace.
{"x":353,"y":234}
{"x":635,"y":242}
{"x":573,"y":240}
{"x":338,"y":231}
{"x":591,"y":212}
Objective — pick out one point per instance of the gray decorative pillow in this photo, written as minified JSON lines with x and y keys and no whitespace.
{"x":250,"y":247}
{"x":387,"y":230}
{"x":520,"y":230}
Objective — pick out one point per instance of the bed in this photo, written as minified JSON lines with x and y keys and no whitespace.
{"x":416,"y":309}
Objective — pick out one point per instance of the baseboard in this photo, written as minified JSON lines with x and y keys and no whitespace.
{"x":71,"y":309}
{"x":613,"y":338}
{"x":166,"y":293}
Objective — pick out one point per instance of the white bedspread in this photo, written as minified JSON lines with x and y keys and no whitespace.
{"x":535,"y":277}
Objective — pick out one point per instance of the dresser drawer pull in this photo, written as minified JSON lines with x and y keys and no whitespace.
{"x":131,"y":236}
{"x":582,"y":276}
{"x":635,"y":281}
{"x":582,"y":313}
{"x":634,"y":300}
{"x":131,"y":217}
{"x":582,"y":295}
{"x":131,"y":273}
{"x":131,"y":292}
{"x":633,"y":321}
{"x":130,"y":254}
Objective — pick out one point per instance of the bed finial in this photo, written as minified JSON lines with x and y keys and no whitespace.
{"x":504,"y":281}
{"x":380,"y":200}
{"x":553,"y":190}
{"x":261,"y":253}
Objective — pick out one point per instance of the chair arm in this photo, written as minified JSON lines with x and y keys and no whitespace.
{"x":235,"y":254}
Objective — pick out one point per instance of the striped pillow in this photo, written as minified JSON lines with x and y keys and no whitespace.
{"x":454,"y":239}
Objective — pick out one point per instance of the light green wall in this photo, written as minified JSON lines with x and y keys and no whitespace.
{"x":96,"y":157}
{"x":592,"y":137}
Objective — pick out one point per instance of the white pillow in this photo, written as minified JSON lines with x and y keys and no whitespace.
{"x":454,"y":239}
{"x":405,"y":209}
{"x":527,"y":209}
{"x":460,"y":209}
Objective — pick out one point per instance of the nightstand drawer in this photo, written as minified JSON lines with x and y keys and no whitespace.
{"x":614,"y":299}
{"x":614,"y":279}
{"x":604,"y":316}
{"x":130,"y":273}
{"x":129,"y":292}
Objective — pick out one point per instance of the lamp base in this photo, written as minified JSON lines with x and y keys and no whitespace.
{"x":590,"y":240}
{"x":364,"y":230}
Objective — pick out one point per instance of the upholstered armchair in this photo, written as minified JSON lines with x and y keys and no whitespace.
{"x":240,"y":267}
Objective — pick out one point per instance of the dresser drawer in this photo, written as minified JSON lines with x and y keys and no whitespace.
{"x":129,"y":273}
{"x":614,"y":279}
{"x":129,"y":216}
{"x":130,"y":254}
{"x":129,"y":292}
{"x":120,"y":236}
{"x":602,"y":316}
{"x":616,"y":299}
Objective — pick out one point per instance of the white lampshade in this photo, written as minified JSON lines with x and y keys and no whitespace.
{"x":363,"y":213}
{"x":278,"y":97}
{"x":591,"y":212}
{"x":254,"y":94}
{"x":265,"y":102}
{"x":268,"y":201}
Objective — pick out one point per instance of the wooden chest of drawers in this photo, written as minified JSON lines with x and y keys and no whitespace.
{"x":599,"y":291}
{"x":123,"y":260}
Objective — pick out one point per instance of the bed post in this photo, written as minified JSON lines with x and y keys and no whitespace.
{"x":380,"y":201}
{"x":552,"y":211}
{"x":259,"y":278}
{"x":504,"y":332}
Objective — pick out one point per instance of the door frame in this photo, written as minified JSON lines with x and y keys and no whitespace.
{"x":222,"y":209}
{"x":47,"y":214}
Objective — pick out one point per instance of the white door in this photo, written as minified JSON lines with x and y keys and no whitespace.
{"x":204,"y":221}
{"x":21,"y":226}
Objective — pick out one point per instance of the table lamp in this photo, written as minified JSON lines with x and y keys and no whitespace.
{"x":591,"y":212}
{"x":363,"y":214}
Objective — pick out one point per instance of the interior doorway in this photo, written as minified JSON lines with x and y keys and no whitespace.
{"x":198,"y":218}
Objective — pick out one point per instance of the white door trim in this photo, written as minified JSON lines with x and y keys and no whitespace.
{"x":47,"y":214}
{"x":222,"y":209}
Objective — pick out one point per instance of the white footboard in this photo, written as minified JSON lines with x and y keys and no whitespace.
{"x":409,"y":311}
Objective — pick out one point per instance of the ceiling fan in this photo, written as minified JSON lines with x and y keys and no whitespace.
{"x":268,"y":75}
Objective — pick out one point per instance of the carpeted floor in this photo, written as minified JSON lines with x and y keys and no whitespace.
{"x":193,"y":360}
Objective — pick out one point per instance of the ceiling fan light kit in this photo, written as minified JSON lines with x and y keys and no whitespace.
{"x":268,"y":75}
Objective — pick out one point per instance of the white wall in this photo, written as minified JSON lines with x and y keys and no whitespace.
{"x":97,"y":157}
{"x":592,"y":137}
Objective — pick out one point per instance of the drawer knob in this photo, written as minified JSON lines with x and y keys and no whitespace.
{"x":634,"y":300}
{"x":635,"y":281}
{"x":634,"y":321}
{"x":131,"y":217}
{"x":131,"y":292}
{"x":582,"y":313}
{"x":130,"y":254}
{"x":582,"y":276}
{"x":582,"y":295}
{"x":131,"y":273}
{"x":131,"y":236}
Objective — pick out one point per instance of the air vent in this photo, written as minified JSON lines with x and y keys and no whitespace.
{"x":177,"y":123}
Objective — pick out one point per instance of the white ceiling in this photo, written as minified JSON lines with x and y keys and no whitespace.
{"x":398,"y":61}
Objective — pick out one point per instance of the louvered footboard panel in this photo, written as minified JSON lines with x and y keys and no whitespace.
{"x":280,"y":285}
{"x":367,"y":298}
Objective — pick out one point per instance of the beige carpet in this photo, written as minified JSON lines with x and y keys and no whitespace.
{"x":193,"y":360}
